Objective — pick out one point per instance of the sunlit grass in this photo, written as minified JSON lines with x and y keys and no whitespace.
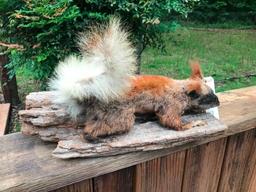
{"x":223,"y":54}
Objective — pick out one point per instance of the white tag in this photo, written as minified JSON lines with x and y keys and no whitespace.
{"x":214,"y":111}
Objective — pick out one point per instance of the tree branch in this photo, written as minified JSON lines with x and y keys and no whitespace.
{"x":12,"y":46}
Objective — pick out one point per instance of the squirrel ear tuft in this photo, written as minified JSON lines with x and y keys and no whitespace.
{"x":195,"y":70}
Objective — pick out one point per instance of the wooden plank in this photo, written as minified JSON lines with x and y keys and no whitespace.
{"x":118,"y":181}
{"x":238,"y":109}
{"x":203,"y":167}
{"x":249,"y":179}
{"x":4,"y":117}
{"x":26,"y":162}
{"x":35,"y":169}
{"x":83,"y":186}
{"x":161,"y":174}
{"x":239,"y":163}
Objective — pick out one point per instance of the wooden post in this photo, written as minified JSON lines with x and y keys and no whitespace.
{"x":4,"y":118}
{"x":9,"y":86}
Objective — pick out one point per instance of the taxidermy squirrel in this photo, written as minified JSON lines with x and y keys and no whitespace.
{"x":100,"y":85}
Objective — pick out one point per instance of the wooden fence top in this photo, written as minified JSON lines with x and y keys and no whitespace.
{"x":26,"y":163}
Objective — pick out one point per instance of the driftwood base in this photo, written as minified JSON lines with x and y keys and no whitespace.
{"x":52,"y":123}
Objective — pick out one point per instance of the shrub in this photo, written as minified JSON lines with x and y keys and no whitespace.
{"x":47,"y":29}
{"x":210,"y":11}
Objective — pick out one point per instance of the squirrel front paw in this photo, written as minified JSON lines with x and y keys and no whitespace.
{"x":192,"y":124}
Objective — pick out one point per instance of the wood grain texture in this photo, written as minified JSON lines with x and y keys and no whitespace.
{"x":26,"y":163}
{"x":83,"y":186}
{"x":161,"y":174}
{"x":238,"y":171}
{"x":203,"y":167}
{"x":118,"y":181}
{"x":4,"y":115}
{"x":249,"y":179}
{"x":238,"y":109}
{"x":143,"y":137}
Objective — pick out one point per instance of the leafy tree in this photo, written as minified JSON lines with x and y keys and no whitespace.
{"x":223,"y":10}
{"x":47,"y":29}
{"x":6,"y":9}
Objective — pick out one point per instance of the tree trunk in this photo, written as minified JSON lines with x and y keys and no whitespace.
{"x":9,"y":86}
{"x":139,"y":49}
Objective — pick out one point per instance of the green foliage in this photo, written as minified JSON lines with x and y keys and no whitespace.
{"x":48,"y":28}
{"x":210,"y":11}
{"x":6,"y":9}
{"x":45,"y":28}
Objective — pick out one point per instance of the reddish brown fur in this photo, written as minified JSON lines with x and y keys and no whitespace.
{"x":196,"y":70}
{"x":167,"y":98}
{"x":157,"y":85}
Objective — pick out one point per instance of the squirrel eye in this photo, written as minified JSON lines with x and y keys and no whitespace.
{"x":193,"y":94}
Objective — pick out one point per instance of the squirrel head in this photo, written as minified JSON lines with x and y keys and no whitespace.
{"x":200,"y":95}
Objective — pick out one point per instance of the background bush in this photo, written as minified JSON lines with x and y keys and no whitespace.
{"x":211,"y":11}
{"x":47,"y":29}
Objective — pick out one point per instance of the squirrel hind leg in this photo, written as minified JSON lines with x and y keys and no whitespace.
{"x":112,"y":122}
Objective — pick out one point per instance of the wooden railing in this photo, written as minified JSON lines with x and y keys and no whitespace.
{"x":222,"y":163}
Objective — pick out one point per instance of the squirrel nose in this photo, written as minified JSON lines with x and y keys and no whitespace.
{"x":210,"y":98}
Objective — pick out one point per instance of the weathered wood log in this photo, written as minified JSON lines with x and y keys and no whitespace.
{"x":143,"y":137}
{"x":52,"y":123}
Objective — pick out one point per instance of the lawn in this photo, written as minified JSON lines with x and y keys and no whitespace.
{"x":223,"y":53}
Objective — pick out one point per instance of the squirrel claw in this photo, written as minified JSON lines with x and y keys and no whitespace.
{"x":192,"y":124}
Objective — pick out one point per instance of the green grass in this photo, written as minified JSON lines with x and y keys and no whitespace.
{"x":26,"y":83}
{"x":219,"y":25}
{"x":223,"y":54}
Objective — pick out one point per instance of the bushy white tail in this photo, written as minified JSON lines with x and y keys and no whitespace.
{"x":103,"y":70}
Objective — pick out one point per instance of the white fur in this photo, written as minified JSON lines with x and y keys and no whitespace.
{"x":102,"y":72}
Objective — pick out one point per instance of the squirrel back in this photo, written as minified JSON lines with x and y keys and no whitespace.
{"x":102,"y":71}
